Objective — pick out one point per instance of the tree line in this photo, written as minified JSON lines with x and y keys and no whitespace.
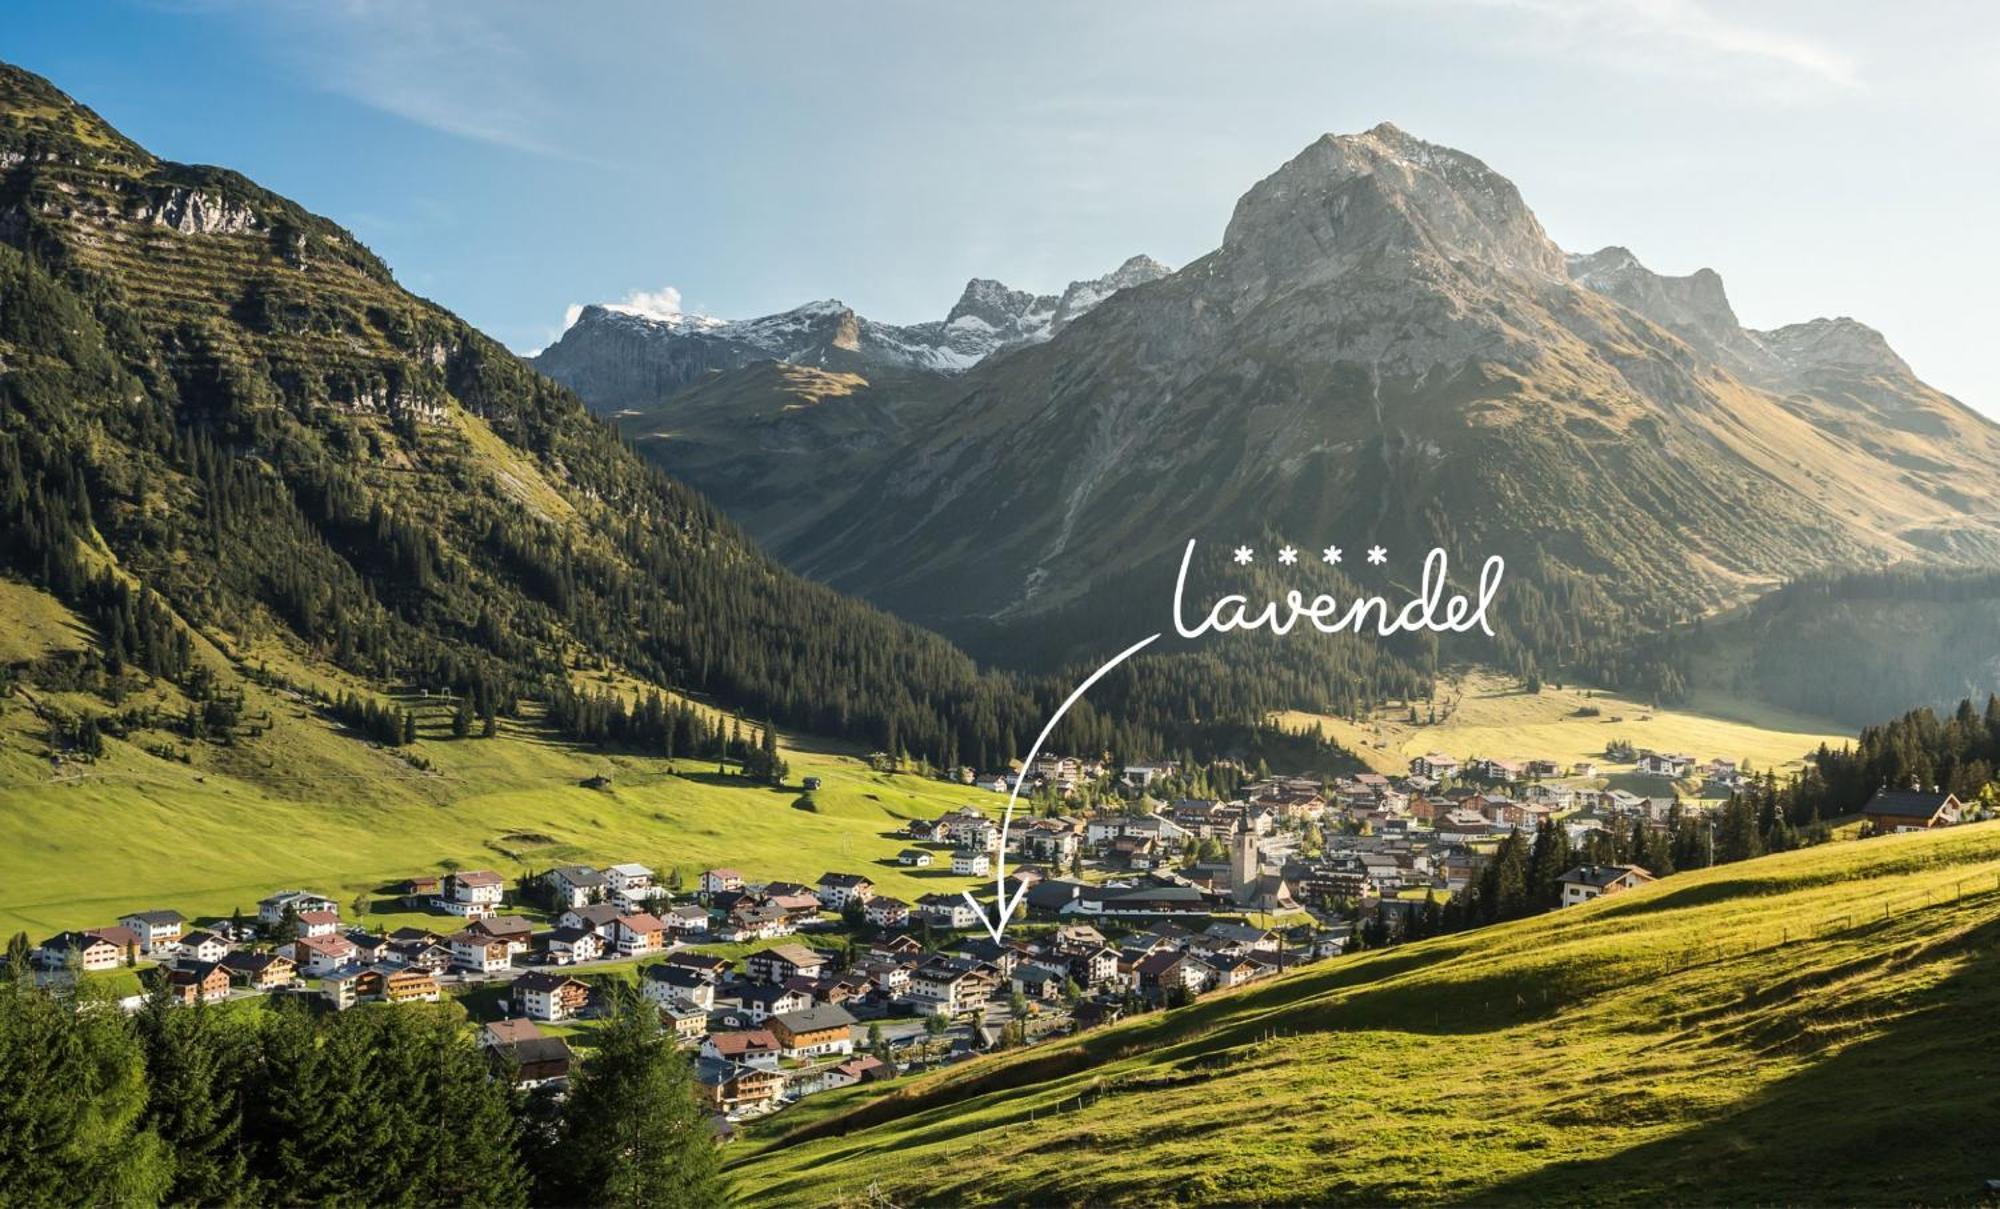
{"x":378,"y":1105}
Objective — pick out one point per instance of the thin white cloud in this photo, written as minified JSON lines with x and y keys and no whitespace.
{"x":1679,"y":34}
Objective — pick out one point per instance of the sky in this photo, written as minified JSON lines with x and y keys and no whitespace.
{"x":514,"y":160}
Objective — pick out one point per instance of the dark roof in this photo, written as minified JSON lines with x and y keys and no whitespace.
{"x":1907,"y":803}
{"x":813,"y":1019}
{"x":1602,"y":875}
{"x":542,"y":980}
{"x":156,"y":917}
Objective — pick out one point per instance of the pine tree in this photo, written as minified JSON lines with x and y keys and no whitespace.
{"x":633,"y":1128}
{"x":193,"y":1101}
{"x":72,"y":1098}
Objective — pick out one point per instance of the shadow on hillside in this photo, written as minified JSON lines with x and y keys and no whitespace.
{"x":1906,"y":1117}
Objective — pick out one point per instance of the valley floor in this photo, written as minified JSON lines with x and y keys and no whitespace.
{"x":1481,"y":714}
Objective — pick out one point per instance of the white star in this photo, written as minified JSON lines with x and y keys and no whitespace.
{"x":1243,"y":556}
{"x":1377,"y":555}
{"x":1288,"y":556}
{"x":1331,"y":554}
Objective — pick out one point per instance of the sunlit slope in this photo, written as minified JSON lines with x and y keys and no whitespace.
{"x":1813,"y":1027}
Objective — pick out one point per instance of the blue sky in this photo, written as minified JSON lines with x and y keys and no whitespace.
{"x":512,"y":160}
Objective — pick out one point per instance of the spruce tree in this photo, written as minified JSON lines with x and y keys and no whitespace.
{"x":193,"y":1101}
{"x":633,"y":1130}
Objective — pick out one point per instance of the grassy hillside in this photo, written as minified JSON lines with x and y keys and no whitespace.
{"x":1809,"y":1028}
{"x":1480,"y":714}
{"x":290,"y":798}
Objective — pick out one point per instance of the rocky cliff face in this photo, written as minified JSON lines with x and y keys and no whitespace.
{"x":1386,"y":346}
{"x":620,"y":360}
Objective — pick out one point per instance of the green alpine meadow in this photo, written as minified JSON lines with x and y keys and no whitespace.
{"x":998,"y":605}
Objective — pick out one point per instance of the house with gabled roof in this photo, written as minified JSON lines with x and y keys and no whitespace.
{"x":1896,"y":810}
{"x":1585,"y":882}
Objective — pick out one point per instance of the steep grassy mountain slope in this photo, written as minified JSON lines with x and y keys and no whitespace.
{"x":1904,"y":637}
{"x":219,"y":414}
{"x":1806,"y":1028}
{"x":1386,"y":348}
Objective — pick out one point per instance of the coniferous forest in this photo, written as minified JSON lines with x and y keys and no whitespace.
{"x":213,"y":1106}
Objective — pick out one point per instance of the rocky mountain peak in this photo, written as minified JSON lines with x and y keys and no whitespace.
{"x":1695,"y":307}
{"x":995,"y":305}
{"x":1840,"y":343}
{"x":1385,"y":198}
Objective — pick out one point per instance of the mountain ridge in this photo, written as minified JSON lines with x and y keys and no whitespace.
{"x":1385,"y":345}
{"x":622,"y":357}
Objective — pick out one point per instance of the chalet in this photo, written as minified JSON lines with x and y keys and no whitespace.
{"x":407,"y":986}
{"x":1159,"y":972}
{"x":921,"y":830}
{"x":780,"y":962}
{"x":886,"y":912}
{"x":688,"y":1023}
{"x":1435,"y":764}
{"x":738,"y":1090}
{"x":431,"y":955}
{"x":529,"y":1057}
{"x":551,"y":997}
{"x":1542,"y":768}
{"x":1586,"y":882}
{"x":708,"y":965}
{"x":947,"y":910}
{"x":472,"y":893}
{"x":664,"y":983}
{"x":1227,"y":937}
{"x":601,"y":918}
{"x":836,"y":890}
{"x":271,"y":911}
{"x":1232,"y":971}
{"x":419,"y":891}
{"x":685,"y":919}
{"x":1497,"y":770}
{"x":260,"y":971}
{"x":315,"y":923}
{"x":751,"y":1047}
{"x":967,"y":828}
{"x":518,"y":932}
{"x":576,"y":885}
{"x":900,"y":947}
{"x":815,"y":1031}
{"x":341,"y":988}
{"x":947,"y":986}
{"x":1052,"y":840}
{"x":369,"y":949}
{"x":318,"y":956}
{"x":891,"y":978}
{"x":717,"y":881}
{"x":1891,"y":811}
{"x":202,"y":945}
{"x":971,"y":862}
{"x":914,"y":858}
{"x":631,"y":883}
{"x":83,"y":949}
{"x":1137,"y":852}
{"x":1037,"y":981}
{"x":796,"y":903}
{"x":158,"y":931}
{"x":763,"y":1000}
{"x":196,"y":980}
{"x":635,"y":935}
{"x":1665,"y":764}
{"x":478,"y":952}
{"x":567,"y":946}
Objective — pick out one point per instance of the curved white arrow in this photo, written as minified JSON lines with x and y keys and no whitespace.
{"x":1003,"y":905}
